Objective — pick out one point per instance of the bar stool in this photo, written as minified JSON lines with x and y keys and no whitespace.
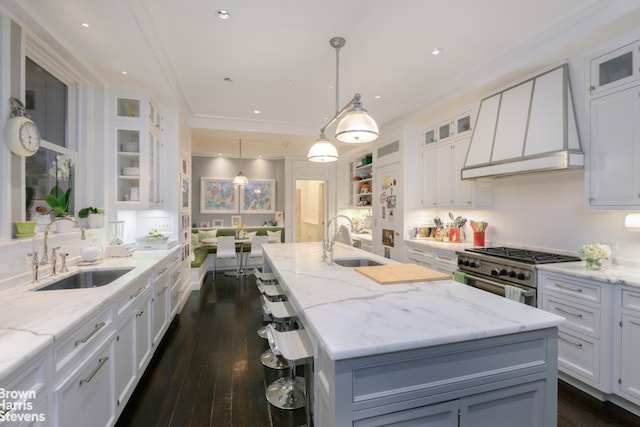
{"x":294,"y":348}
{"x":273,"y":293}
{"x":267,"y":278}
{"x":283,"y":316}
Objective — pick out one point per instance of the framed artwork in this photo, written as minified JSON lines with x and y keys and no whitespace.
{"x":205,"y":224}
{"x":236,"y":220}
{"x":217,"y":196}
{"x":186,"y":194}
{"x":259,"y":196}
{"x":217,"y":223}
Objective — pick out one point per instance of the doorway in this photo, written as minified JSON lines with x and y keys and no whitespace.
{"x":310,"y":210}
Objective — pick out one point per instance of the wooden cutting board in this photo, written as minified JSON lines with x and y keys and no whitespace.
{"x":401,"y":273}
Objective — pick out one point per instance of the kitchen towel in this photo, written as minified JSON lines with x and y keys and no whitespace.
{"x":459,"y":276}
{"x":513,"y":293}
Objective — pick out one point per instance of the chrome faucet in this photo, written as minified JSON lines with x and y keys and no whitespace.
{"x":327,"y":243}
{"x":34,"y":266}
{"x":45,"y":256}
{"x":54,"y":260}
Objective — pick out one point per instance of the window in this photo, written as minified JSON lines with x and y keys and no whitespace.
{"x":46,"y":102}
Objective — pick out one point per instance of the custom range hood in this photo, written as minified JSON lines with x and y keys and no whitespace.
{"x":527,"y":128}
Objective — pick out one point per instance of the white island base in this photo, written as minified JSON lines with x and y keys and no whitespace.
{"x":502,"y":381}
{"x":417,"y":354}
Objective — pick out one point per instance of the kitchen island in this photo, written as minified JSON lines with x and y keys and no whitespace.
{"x":435,"y":353}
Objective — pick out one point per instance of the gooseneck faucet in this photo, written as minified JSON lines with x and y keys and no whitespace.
{"x":327,"y":243}
{"x":45,"y":256}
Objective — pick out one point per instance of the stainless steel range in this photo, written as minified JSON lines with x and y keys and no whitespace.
{"x":496,"y":269}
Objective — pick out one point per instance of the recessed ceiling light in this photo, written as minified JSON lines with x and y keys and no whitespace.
{"x":85,"y":25}
{"x":436,"y":51}
{"x":378,"y":96}
{"x":257,"y":111}
{"x":124,"y":72}
{"x":223,"y":14}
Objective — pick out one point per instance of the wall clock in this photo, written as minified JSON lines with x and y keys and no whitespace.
{"x":20,"y":133}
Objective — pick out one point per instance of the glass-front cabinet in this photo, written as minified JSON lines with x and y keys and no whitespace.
{"x":137,"y":139}
{"x":361,"y":175}
{"x":455,"y":127}
{"x":615,"y":68}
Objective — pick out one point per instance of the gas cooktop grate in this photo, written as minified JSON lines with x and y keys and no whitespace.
{"x":524,"y":255}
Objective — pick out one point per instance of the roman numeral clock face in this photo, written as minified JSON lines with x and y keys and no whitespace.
{"x":22,"y":136}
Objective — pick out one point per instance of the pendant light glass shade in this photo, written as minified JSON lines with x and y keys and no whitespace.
{"x":240,"y":179}
{"x":357,"y":126}
{"x":322,"y":151}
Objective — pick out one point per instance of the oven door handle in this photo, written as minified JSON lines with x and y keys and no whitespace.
{"x":526,"y":293}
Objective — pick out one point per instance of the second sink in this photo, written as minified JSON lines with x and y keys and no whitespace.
{"x":356,"y":262}
{"x":86,"y":279}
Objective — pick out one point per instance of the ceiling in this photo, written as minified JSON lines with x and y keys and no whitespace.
{"x":274,"y":56}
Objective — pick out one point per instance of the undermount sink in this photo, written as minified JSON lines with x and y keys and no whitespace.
{"x":86,"y":279}
{"x":356,"y":262}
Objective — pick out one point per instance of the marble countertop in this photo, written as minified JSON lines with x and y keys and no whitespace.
{"x":447,"y":246}
{"x":611,"y":273}
{"x":30,"y":321}
{"x":352,"y":316}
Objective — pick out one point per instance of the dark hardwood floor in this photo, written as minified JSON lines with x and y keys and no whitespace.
{"x":207,"y":371}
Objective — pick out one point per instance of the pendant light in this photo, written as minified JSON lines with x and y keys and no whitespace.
{"x":240,"y":179}
{"x":355,"y":125}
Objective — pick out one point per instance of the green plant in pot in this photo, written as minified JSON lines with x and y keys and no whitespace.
{"x":92,"y":215}
{"x":58,"y":199}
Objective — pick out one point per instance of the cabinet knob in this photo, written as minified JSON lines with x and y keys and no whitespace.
{"x":591,"y":88}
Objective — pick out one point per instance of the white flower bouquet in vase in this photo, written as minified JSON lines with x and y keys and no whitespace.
{"x":593,"y":254}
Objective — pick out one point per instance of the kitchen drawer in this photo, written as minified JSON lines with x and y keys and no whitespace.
{"x":445,"y":261}
{"x":570,"y":287}
{"x":579,"y":356}
{"x":579,"y":317}
{"x":132,"y":293}
{"x":81,"y":339}
{"x":631,"y":300}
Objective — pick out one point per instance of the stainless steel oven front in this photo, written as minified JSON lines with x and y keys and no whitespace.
{"x":498,"y":286}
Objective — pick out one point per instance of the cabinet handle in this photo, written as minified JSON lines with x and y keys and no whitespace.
{"x":137,"y":294}
{"x":568,"y":288}
{"x":163,"y":290}
{"x":101,"y":363}
{"x":140,"y":313}
{"x":562,"y":310}
{"x":573,"y":343}
{"x":92,"y":333}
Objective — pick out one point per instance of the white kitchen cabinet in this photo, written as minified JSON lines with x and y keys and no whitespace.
{"x":584,"y":340}
{"x":133,"y":339}
{"x":136,"y":141}
{"x":419,"y":254}
{"x":441,"y":183}
{"x":32,"y":379}
{"x":445,"y":261}
{"x":85,"y":397}
{"x":458,"y":126}
{"x":629,"y":379}
{"x":616,"y":68}
{"x":613,"y":174}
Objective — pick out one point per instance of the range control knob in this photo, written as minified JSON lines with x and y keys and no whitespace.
{"x":512,"y":273}
{"x":495,"y":272}
{"x":523,"y":276}
{"x":474,"y":264}
{"x":466,"y":263}
{"x":503,"y":272}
